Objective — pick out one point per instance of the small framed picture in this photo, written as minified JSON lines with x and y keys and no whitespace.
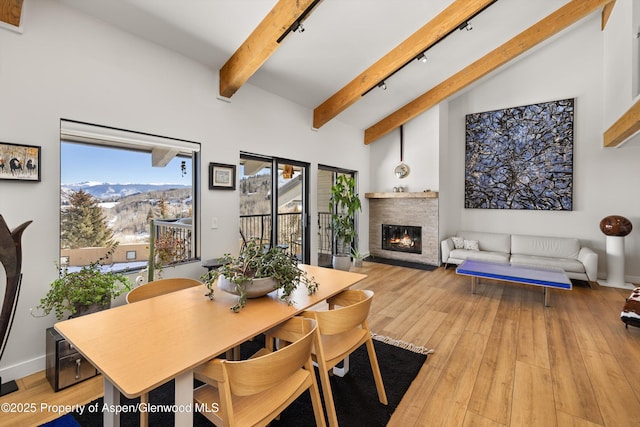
{"x":222,"y":177}
{"x":19,"y":162}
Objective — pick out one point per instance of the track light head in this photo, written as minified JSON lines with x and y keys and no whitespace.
{"x":422,"y":58}
{"x":299,"y":28}
{"x":382,"y":85}
{"x":465,"y":26}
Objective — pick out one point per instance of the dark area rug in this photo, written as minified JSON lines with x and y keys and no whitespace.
{"x":355,"y":394}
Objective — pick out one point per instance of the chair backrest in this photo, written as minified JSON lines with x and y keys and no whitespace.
{"x":353,"y":311}
{"x":160,"y":287}
{"x":255,"y":375}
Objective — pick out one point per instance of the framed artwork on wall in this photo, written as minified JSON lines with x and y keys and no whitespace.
{"x":222,"y":177}
{"x":520,"y":157}
{"x":19,"y":162}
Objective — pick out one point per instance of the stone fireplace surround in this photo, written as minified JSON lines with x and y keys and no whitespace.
{"x":416,"y":209}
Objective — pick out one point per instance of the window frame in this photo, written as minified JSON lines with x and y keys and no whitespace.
{"x":76,"y":132}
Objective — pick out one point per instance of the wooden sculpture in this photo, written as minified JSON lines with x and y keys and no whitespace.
{"x":11,"y":259}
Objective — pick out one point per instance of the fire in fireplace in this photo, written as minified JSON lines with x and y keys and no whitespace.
{"x":402,"y":238}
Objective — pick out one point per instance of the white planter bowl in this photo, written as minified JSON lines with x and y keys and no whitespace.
{"x":258,"y":287}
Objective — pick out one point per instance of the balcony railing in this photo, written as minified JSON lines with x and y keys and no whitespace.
{"x":325,"y":236}
{"x":172,"y":241}
{"x":289,"y":231}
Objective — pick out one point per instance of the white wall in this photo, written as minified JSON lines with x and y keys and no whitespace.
{"x":619,"y":37}
{"x":605,"y":180}
{"x":420,"y":153}
{"x":69,"y":65}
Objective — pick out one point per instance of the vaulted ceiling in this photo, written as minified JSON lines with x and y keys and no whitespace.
{"x":335,"y":67}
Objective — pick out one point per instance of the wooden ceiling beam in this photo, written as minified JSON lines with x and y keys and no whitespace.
{"x":431,"y":33}
{"x":262,"y":43}
{"x":557,"y":21}
{"x":624,"y":127}
{"x":11,"y":12}
{"x":606,"y":13}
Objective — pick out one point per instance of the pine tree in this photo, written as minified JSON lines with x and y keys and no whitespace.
{"x":83,"y":223}
{"x":150,"y":215}
{"x":162,"y":206}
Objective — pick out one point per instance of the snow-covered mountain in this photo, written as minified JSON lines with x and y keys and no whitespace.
{"x":107,"y":191}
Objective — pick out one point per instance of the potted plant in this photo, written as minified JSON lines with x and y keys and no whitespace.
{"x":84,"y":291}
{"x":357,"y":257}
{"x":343,"y":205}
{"x":255,"y":267}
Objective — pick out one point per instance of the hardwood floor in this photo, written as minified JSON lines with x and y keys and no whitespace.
{"x":500,"y":357}
{"x":503,"y":359}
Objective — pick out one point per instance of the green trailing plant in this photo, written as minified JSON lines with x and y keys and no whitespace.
{"x":72,"y":292}
{"x":254,"y":262}
{"x":343,"y":205}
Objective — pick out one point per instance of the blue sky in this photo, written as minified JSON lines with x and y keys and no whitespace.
{"x":80,"y":163}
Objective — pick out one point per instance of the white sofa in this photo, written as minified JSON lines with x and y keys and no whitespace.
{"x":578,"y":262}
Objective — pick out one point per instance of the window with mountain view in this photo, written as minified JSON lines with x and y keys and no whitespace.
{"x":119,"y":188}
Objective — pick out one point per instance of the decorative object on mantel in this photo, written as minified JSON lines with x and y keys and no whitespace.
{"x":520,"y":157}
{"x":11,"y":260}
{"x":402,"y":170}
{"x":615,"y":227}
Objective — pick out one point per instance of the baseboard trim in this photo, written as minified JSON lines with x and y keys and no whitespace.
{"x":23,"y":369}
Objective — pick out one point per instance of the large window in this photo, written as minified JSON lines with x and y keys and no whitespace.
{"x":130,"y":190}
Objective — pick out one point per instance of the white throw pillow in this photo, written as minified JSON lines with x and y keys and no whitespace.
{"x":458,"y":242}
{"x":471,"y":245}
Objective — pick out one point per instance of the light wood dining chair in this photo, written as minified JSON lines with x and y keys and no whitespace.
{"x":154,"y":289}
{"x":253,"y":392}
{"x":160,"y":287}
{"x":342,"y":329}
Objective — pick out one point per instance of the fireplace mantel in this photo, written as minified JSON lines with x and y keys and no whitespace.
{"x":403,"y":195}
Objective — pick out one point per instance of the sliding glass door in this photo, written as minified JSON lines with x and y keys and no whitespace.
{"x":326,"y":243}
{"x":276,"y":217}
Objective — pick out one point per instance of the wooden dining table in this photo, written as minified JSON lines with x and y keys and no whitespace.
{"x":139,"y":346}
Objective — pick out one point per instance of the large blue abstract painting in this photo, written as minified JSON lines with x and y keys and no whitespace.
{"x":520,"y":158}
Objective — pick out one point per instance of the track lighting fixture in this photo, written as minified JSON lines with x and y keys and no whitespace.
{"x":465,"y":26}
{"x":422,"y":57}
{"x":297,"y":24}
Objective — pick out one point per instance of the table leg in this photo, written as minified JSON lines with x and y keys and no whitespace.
{"x":111,"y":400}
{"x":546,"y":296}
{"x":184,"y":399}
{"x":341,"y":372}
{"x":474,"y":282}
